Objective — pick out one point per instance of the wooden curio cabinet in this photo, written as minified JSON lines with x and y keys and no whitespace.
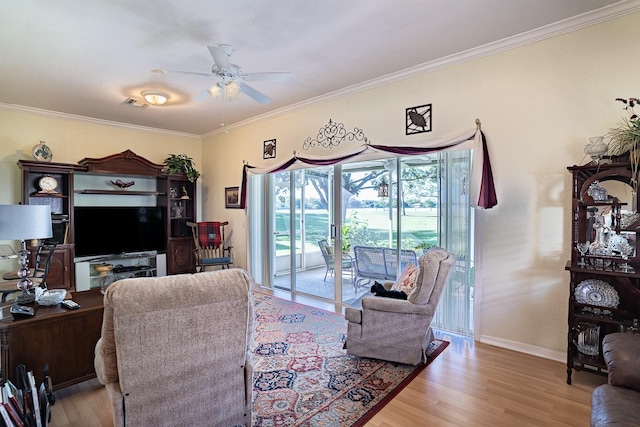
{"x":61,"y":202}
{"x":181,"y":208}
{"x":604,"y":287}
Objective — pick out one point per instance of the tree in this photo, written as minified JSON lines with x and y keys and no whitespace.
{"x":351,"y":186}
{"x":419,"y":184}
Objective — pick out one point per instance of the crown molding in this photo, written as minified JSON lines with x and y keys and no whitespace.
{"x":85,"y":119}
{"x":568,"y":25}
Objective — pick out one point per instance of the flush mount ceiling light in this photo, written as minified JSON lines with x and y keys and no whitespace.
{"x":155,"y":97}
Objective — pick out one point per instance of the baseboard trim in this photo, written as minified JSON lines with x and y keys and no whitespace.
{"x":533,"y":350}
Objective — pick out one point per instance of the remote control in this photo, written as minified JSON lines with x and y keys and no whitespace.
{"x":70,"y":304}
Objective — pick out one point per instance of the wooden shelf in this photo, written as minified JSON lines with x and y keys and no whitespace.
{"x":38,"y":194}
{"x":120,"y":192}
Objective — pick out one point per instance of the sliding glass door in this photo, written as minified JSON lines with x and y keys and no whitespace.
{"x":284,"y":226}
{"x":412,"y":203}
{"x":301,"y":218}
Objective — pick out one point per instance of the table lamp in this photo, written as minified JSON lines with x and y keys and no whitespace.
{"x":25,"y":222}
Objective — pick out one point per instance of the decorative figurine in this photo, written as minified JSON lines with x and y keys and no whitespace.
{"x":121,"y":184}
{"x":185,"y":194}
{"x":178,"y":209}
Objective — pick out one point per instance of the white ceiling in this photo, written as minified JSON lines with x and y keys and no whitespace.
{"x":86,"y":57}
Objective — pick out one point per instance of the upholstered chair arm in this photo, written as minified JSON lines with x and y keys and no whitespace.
{"x":393,"y":305}
{"x":106,"y":373}
{"x":353,"y":315}
{"x":106,"y":360}
{"x":621,"y":352}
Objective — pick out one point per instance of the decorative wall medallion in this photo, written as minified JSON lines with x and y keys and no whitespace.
{"x":42,"y":152}
{"x":418,"y":119}
{"x":269,"y":151}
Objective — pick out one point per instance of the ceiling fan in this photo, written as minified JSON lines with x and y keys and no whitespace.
{"x":231,"y":78}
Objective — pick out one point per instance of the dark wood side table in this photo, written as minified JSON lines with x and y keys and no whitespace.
{"x":63,"y":339}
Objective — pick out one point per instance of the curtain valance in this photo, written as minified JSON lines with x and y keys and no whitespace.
{"x":482,"y":186}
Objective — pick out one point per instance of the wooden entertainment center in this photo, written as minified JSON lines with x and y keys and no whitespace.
{"x":119,"y":179}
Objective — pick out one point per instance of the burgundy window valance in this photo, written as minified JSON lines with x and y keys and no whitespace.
{"x":483,"y":188}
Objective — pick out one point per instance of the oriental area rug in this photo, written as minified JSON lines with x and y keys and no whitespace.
{"x":303,"y":376}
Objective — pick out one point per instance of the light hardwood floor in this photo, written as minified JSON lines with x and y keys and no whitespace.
{"x":469,"y":384}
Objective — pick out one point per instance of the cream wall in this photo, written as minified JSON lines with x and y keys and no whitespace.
{"x":71,"y":140}
{"x":538,"y":105}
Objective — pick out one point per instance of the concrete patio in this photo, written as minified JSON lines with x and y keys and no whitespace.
{"x":312,"y":282}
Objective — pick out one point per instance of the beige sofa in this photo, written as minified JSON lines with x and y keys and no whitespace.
{"x":618,"y":402}
{"x":400,"y":330}
{"x":174,"y":350}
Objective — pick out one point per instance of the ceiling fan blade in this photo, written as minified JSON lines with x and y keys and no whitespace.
{"x":268,"y":77}
{"x":182,"y":72}
{"x":253,"y":93}
{"x":220,"y":57}
{"x":204,"y":94}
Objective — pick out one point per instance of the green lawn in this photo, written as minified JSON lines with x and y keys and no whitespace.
{"x":418,"y":225}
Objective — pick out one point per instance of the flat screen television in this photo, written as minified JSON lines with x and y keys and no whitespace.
{"x":108,"y":230}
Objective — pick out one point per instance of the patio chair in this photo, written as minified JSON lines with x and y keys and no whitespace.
{"x":209,"y":241}
{"x":379,"y":263}
{"x":328,"y":255}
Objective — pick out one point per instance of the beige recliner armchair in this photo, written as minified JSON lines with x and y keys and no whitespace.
{"x":400,"y":330}
{"x":174,"y":349}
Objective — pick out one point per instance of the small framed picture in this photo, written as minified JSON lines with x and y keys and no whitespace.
{"x":269,"y":149}
{"x":232,"y":197}
{"x":418,"y":119}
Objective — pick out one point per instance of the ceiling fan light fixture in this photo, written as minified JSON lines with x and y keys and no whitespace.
{"x":156,"y":97}
{"x":215,"y":90}
{"x":233,"y":91}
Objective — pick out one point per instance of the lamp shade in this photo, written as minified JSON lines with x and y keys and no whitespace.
{"x":24,"y":222}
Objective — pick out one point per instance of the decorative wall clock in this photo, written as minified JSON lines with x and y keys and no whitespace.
{"x":418,"y":119}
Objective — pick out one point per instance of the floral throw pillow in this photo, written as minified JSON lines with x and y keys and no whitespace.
{"x":407,"y":280}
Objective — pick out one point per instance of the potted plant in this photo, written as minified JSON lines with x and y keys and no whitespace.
{"x":625,"y":138}
{"x":346,"y":238}
{"x":180,"y":163}
{"x":424,"y":246}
